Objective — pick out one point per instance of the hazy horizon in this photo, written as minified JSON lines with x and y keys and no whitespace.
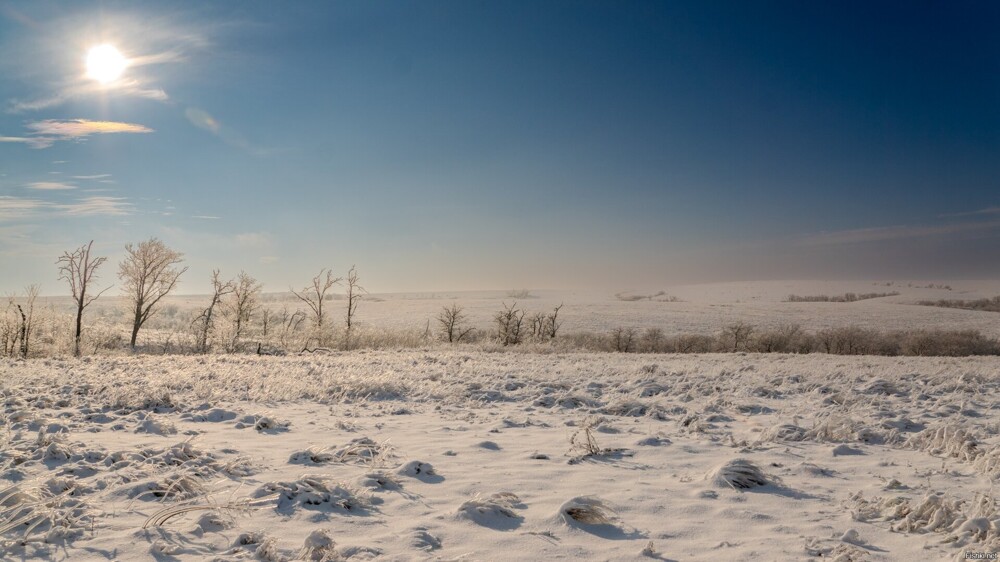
{"x":461,"y":146}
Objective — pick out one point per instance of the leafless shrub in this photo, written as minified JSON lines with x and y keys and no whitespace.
{"x":783,"y":339}
{"x":510,"y":321}
{"x":24,"y":323}
{"x":853,"y":340}
{"x":623,"y":339}
{"x":943,"y":342}
{"x":652,"y":341}
{"x":736,"y":337}
{"x":694,"y":343}
{"x":452,"y":320}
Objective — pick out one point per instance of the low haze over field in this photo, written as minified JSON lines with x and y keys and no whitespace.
{"x":471,"y":145}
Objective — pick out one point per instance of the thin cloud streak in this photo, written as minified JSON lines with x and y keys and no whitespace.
{"x":900,"y":232}
{"x":50,"y":185}
{"x":47,"y":132}
{"x":21,"y":208}
{"x":980,"y":212}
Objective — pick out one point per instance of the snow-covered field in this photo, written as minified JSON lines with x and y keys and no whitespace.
{"x":463,"y":455}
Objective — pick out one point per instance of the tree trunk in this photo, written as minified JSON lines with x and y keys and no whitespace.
{"x":79,"y":331}
{"x":135,"y":326}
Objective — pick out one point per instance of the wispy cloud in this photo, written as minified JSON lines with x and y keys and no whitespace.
{"x":18,"y":207}
{"x":977,"y":213}
{"x":898,"y":232}
{"x":92,"y":177}
{"x":50,"y":185}
{"x":97,"y":205}
{"x":206,"y":217}
{"x":254,"y":239}
{"x":65,"y":129}
{"x":45,"y":133}
{"x":203,"y":120}
{"x":21,"y":208}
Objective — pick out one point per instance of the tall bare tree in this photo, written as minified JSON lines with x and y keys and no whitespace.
{"x":244,"y":302}
{"x":149,"y":272}
{"x":79,"y":269}
{"x":206,"y":320}
{"x":314,"y":295}
{"x":354,"y":292}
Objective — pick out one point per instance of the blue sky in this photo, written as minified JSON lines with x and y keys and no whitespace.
{"x":490,"y":145}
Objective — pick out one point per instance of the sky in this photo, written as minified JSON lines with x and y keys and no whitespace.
{"x":469,"y":145}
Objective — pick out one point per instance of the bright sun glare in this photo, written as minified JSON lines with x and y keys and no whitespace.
{"x":105,"y":64}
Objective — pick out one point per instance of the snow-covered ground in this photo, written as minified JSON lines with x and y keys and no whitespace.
{"x":454,"y":454}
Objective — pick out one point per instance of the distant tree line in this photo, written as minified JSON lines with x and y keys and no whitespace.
{"x":989,"y":304}
{"x":846,"y":297}
{"x":846,"y":340}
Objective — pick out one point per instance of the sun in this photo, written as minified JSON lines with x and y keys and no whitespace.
{"x":105,"y":64}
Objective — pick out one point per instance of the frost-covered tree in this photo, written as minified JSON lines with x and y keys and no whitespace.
{"x":148,"y":273}
{"x":205,"y":322}
{"x":79,"y":269}
{"x":452,"y":320}
{"x":314,"y":296}
{"x":243,"y":304}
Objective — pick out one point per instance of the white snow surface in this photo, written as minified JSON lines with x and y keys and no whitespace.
{"x":458,"y":455}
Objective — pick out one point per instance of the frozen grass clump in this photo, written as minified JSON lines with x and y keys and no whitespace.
{"x":319,"y":546}
{"x":495,"y":511}
{"x":841,"y":429}
{"x":55,"y":508}
{"x":947,"y":441}
{"x":420,"y":470}
{"x":587,"y":511}
{"x":739,"y":474}
{"x":312,"y":455}
{"x":785,"y":432}
{"x":315,"y":492}
{"x":156,"y":426}
{"x":264,"y":424}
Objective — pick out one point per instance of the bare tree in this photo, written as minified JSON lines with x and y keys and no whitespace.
{"x":9,"y":329}
{"x":206,"y":320}
{"x":148,"y":273}
{"x":290,"y":323}
{"x":354,"y":292}
{"x":509,"y":322}
{"x":451,"y":319}
{"x":25,"y":327}
{"x":537,"y":322}
{"x":737,"y":336}
{"x":552,"y":322}
{"x":652,"y":340}
{"x":622,"y":339}
{"x":78,"y":269}
{"x":244,"y":302}
{"x":314,"y":295}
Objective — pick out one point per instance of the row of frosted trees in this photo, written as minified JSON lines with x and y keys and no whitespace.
{"x":149,"y":272}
